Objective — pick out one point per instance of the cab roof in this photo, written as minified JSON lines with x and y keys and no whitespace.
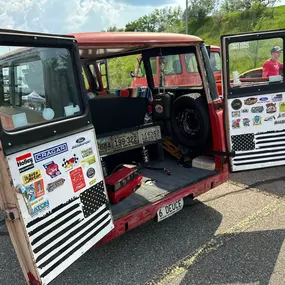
{"x":104,"y":44}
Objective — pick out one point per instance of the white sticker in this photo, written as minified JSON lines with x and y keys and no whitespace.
{"x":20,"y":120}
{"x":48,"y":114}
{"x":70,"y":110}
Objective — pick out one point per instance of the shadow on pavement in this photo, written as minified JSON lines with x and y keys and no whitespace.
{"x":140,"y":254}
{"x":248,"y":258}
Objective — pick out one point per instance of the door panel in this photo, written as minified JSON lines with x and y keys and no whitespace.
{"x":254,"y":107}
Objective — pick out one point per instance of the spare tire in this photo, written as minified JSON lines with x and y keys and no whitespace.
{"x":190,"y":121}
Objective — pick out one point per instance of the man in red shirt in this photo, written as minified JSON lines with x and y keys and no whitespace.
{"x":272,"y":66}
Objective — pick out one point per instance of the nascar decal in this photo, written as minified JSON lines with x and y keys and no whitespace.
{"x":69,"y":164}
{"x":53,"y":185}
{"x":25,"y":162}
{"x":32,"y":176}
{"x":50,"y":152}
{"x":77,"y":179}
{"x":52,"y":169}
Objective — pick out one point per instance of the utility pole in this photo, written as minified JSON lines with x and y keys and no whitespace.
{"x":186,"y":17}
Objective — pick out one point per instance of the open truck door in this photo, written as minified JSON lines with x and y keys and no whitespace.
{"x":254,"y":107}
{"x":52,"y":191}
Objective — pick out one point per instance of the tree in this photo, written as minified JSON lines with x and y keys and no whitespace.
{"x":199,"y":9}
{"x":242,"y":5}
{"x":113,"y":29}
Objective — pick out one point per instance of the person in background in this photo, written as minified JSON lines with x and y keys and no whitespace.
{"x":272,"y":66}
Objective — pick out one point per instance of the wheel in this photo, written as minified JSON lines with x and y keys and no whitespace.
{"x":190,"y":121}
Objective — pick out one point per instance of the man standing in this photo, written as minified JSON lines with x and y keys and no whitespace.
{"x":272,"y":66}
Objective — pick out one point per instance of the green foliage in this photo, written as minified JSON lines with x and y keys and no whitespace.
{"x":200,"y":9}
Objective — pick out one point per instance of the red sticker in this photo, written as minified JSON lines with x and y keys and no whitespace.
{"x":77,"y":179}
{"x":39,"y":187}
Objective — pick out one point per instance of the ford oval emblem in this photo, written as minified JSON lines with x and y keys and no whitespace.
{"x":80,"y":140}
{"x":263,"y":99}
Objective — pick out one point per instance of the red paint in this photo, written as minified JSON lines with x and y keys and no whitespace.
{"x":24,"y":156}
{"x":77,"y":179}
{"x":33,"y":280}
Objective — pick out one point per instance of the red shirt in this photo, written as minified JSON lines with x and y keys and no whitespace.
{"x":271,"y":67}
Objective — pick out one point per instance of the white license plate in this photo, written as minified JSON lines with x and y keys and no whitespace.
{"x":125,"y":140}
{"x":169,"y":210}
{"x":149,"y":134}
{"x":105,"y":145}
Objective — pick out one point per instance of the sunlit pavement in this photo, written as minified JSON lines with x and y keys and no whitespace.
{"x":234,"y":236}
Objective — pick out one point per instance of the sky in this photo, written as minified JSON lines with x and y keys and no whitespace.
{"x":70,"y":16}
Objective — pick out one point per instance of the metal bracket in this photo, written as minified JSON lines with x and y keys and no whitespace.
{"x":9,"y":214}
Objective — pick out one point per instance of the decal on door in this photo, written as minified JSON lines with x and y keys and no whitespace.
{"x":32,"y":176}
{"x":25,"y":162}
{"x":77,"y":179}
{"x":50,"y":152}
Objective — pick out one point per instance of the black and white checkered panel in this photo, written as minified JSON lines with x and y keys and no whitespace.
{"x":243,"y":142}
{"x":93,"y":198}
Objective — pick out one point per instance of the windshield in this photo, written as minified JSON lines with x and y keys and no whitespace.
{"x":37,"y":85}
{"x":257,"y":62}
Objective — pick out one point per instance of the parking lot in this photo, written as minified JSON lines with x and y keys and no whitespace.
{"x":232,"y":235}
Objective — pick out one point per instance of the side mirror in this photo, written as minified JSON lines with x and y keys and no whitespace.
{"x":132,"y":74}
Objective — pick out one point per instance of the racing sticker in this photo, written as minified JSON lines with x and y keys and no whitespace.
{"x":277,"y":98}
{"x":55,"y":184}
{"x":90,"y":172}
{"x":263,"y":100}
{"x":69,"y":164}
{"x":246,"y":122}
{"x":235,"y":114}
{"x":250,"y":101}
{"x":38,"y":206}
{"x":269,"y":119}
{"x":257,"y":120}
{"x":245,"y":111}
{"x":88,"y":161}
{"x":32,"y":176}
{"x":80,"y":142}
{"x":279,"y":122}
{"x":92,"y":182}
{"x":271,"y":108}
{"x":87,"y":152}
{"x":50,"y":152}
{"x":236,"y":124}
{"x":52,"y":169}
{"x":257,"y":109}
{"x":282,"y":107}
{"x":77,"y":179}
{"x":25,"y":162}
{"x":236,"y":104}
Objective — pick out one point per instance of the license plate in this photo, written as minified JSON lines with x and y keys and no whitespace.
{"x":169,"y":210}
{"x":125,"y":140}
{"x":149,"y":134}
{"x":105,"y":145}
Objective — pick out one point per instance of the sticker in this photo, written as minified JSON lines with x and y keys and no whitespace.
{"x":71,"y":110}
{"x":90,"y":172}
{"x":279,"y":122}
{"x":39,"y":187}
{"x":258,"y":109}
{"x":245,"y":110}
{"x":158,"y":109}
{"x":271,"y":108}
{"x":19,"y":120}
{"x":263,"y":99}
{"x":53,"y":185}
{"x":32,"y":176}
{"x":77,"y":179}
{"x":80,"y":142}
{"x":246,"y":122}
{"x":277,"y":98}
{"x":236,"y":104}
{"x":236,"y":124}
{"x":92,"y":182}
{"x":48,"y":114}
{"x":282,"y":107}
{"x":256,"y":120}
{"x":86,"y":152}
{"x":250,"y":101}
{"x":50,"y":152}
{"x":38,"y":206}
{"x":25,"y":162}
{"x":52,"y":169}
{"x":69,"y":163}
{"x":88,"y":161}
{"x":29,"y":192}
{"x":235,"y":114}
{"x":268,"y":119}
{"x":281,"y":115}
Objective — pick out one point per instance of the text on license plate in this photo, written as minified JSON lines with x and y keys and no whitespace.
{"x":169,"y":210}
{"x":125,"y":140}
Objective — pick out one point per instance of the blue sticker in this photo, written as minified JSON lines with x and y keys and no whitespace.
{"x":50,"y":152}
{"x":263,"y":99}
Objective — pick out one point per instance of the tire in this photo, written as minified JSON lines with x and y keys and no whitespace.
{"x":190,"y":121}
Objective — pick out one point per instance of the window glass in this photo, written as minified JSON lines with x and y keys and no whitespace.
{"x":86,"y":83}
{"x":215,"y":61}
{"x":38,"y":86}
{"x":252,"y":58}
{"x":191,"y":63}
{"x":141,"y":69}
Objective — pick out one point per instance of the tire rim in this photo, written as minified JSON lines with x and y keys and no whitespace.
{"x":188,"y":122}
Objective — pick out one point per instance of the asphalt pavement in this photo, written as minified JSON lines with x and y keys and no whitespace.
{"x":233,"y":235}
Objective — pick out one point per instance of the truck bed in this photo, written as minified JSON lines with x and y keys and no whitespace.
{"x":164,"y":184}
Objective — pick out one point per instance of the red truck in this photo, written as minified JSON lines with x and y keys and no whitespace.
{"x":184,"y":145}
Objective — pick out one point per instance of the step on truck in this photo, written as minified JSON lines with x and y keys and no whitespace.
{"x":80,"y":167}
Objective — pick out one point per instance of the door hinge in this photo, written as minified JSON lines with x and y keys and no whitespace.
{"x":11,"y":214}
{"x":225,"y":153}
